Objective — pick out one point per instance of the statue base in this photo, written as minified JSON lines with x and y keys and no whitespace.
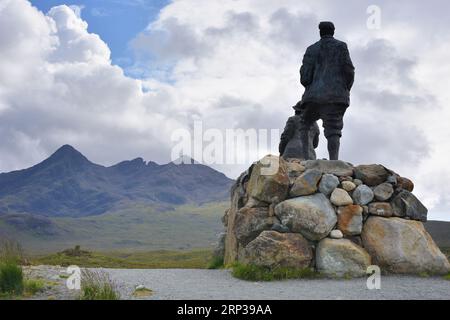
{"x":330,"y":216}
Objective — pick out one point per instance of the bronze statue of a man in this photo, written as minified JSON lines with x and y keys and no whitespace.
{"x":327,"y":74}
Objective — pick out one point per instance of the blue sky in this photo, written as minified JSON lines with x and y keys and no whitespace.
{"x":116,"y":21}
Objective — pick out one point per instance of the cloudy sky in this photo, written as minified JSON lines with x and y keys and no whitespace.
{"x":116,"y":78}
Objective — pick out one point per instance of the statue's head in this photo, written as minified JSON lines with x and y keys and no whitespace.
{"x":326,"y":28}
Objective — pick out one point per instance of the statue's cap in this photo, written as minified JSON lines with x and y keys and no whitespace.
{"x":326,"y":25}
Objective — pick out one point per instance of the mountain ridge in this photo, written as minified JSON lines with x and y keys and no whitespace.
{"x":69,"y":184}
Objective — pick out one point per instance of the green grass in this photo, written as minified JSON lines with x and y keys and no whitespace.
{"x":10,"y":251}
{"x":96,"y":285}
{"x":33,"y":286}
{"x":215,"y":263}
{"x":447,"y":277}
{"x":257,"y":273}
{"x":11,"y":275}
{"x":134,"y":226}
{"x":11,"y":278}
{"x":13,"y":285}
{"x":161,"y":259}
{"x":424,"y":274}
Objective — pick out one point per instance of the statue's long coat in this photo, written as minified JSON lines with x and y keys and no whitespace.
{"x":327,"y":72}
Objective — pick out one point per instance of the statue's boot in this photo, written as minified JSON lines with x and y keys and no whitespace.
{"x":333,"y":147}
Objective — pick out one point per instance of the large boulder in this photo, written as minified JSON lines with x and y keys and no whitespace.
{"x":350,"y":219}
{"x":239,"y":198}
{"x":250,"y":222}
{"x":273,"y":249}
{"x":269,"y":181}
{"x":312,"y":216}
{"x":306,"y":183}
{"x":372,"y":174}
{"x":402,"y":246}
{"x":337,"y":167}
{"x":405,"y":204}
{"x":341,"y":257}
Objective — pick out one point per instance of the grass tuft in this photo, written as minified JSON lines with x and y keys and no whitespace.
{"x":215,"y":263}
{"x":447,"y":277}
{"x":11,"y":278}
{"x":97,"y":285}
{"x":33,"y":286}
{"x":11,"y":251}
{"x":11,"y":275}
{"x":258,"y":273}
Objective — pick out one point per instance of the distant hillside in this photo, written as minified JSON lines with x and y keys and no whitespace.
{"x":135,"y":227}
{"x":67,"y":184}
{"x":67,"y":200}
{"x":440,"y":232}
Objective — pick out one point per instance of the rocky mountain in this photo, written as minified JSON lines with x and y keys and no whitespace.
{"x":67,"y":184}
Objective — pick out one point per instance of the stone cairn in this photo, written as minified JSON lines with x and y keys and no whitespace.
{"x":328,"y":215}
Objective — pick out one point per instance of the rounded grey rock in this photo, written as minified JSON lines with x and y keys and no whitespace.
{"x":312,"y":216}
{"x":340,"y":197}
{"x":383,"y":192}
{"x":328,"y":183}
{"x":363,"y":195}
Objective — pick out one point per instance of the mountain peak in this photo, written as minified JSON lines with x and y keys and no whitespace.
{"x":67,"y":153}
{"x":67,"y":148}
{"x":130,"y":165}
{"x":184,"y":159}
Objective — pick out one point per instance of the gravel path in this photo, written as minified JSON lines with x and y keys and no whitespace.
{"x":199,"y":284}
{"x":220,"y":285}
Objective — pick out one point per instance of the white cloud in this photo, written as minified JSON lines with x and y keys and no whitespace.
{"x":232,"y":64}
{"x":57,"y":85}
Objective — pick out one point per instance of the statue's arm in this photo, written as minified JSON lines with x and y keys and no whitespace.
{"x":307,"y":68}
{"x":287,"y":134}
{"x":349,"y":69}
